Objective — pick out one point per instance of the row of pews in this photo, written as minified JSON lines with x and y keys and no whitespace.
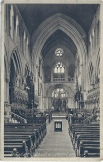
{"x":85,"y":138}
{"x":22,"y":139}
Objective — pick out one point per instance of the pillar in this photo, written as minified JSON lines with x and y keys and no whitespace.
{"x":45,"y":103}
{"x":17,"y":38}
{"x":11,"y":21}
{"x":24,"y":43}
{"x":49,"y":102}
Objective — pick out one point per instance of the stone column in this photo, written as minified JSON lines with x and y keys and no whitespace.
{"x":11,"y":21}
{"x":40,"y":103}
{"x":24,"y":43}
{"x":45,"y":100}
{"x":49,"y":102}
{"x":76,"y":104}
{"x":17,"y":38}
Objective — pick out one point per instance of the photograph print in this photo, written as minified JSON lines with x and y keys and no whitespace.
{"x":51,"y":80}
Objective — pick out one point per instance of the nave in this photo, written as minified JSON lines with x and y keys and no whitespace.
{"x":56,"y":144}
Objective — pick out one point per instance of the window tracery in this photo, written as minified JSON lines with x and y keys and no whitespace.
{"x":59,"y":52}
{"x":59,"y":72}
{"x":59,"y":68}
{"x":59,"y":93}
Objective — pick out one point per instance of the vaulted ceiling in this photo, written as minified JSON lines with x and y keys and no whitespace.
{"x":35,"y":14}
{"x":57,"y":39}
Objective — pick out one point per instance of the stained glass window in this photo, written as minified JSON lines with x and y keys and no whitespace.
{"x":59,"y":93}
{"x":59,"y":52}
{"x":59,"y":68}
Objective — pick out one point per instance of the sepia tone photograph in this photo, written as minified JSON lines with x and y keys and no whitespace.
{"x":51,"y":80}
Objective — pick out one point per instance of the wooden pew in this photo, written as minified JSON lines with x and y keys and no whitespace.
{"x":16,"y":149}
{"x":41,"y":119}
{"x":71,"y":126}
{"x":34,"y":134}
{"x":17,"y":139}
{"x":30,"y":140}
{"x":43,"y":126}
{"x":88,"y":148}
{"x":87,"y":133}
{"x":87,"y":142}
{"x":24,"y":131}
{"x":82,"y":128}
{"x":85,"y":139}
{"x":30,"y":131}
{"x":25,"y":127}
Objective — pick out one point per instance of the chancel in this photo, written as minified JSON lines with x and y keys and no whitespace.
{"x":52,"y":80}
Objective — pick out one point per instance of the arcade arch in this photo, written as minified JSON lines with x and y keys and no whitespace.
{"x":68,"y":26}
{"x":62,"y":93}
{"x":15,"y":74}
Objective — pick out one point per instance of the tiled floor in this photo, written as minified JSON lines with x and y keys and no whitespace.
{"x":56,"y":144}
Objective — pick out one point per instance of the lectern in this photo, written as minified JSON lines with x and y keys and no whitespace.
{"x":57,"y":125}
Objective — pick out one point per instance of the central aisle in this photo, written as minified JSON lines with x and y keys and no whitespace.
{"x":56,"y":144}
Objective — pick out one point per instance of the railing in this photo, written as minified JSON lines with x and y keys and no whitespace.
{"x":18,"y":118}
{"x":59,"y":79}
{"x":70,"y":79}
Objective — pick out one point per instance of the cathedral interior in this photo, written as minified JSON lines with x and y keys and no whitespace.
{"x":52,"y":80}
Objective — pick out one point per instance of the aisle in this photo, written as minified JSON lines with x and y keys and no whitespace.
{"x":56,"y":144}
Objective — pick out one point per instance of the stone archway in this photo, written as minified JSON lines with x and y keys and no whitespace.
{"x":13,"y":67}
{"x":69,"y":98}
{"x":15,"y":73}
{"x":15,"y":53}
{"x":15,"y":60}
{"x":68,"y":26}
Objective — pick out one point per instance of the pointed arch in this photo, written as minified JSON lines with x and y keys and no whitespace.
{"x":15,"y":57}
{"x":67,"y":25}
{"x":55,"y":86}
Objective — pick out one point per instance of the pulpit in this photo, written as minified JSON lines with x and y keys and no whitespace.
{"x":57,"y":125}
